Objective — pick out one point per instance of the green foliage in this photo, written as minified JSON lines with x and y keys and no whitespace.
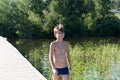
{"x":38,"y":6}
{"x":52,"y":20}
{"x":18,"y":20}
{"x":92,"y":61}
{"x":109,"y":26}
{"x":68,"y":7}
{"x":102,"y":7}
{"x":115,"y":4}
{"x":74,"y":26}
{"x":36,"y":18}
{"x":15,"y":16}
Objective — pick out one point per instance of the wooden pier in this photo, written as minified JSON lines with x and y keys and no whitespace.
{"x":13,"y":66}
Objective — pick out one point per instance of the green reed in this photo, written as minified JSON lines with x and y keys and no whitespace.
{"x":91,"y":61}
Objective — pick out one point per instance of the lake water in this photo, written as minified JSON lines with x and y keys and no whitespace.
{"x":36,"y":50}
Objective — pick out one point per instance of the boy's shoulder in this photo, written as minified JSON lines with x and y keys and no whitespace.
{"x":53,"y":43}
{"x":66,"y":42}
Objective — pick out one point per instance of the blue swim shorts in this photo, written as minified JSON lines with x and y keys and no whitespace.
{"x":63,"y":71}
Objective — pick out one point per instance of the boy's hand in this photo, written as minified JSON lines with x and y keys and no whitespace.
{"x":69,"y":68}
{"x":55,"y":71}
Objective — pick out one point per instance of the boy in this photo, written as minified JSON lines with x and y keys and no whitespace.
{"x":59,"y":55}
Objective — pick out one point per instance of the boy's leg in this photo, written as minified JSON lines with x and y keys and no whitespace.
{"x":56,"y":77}
{"x":65,"y":77}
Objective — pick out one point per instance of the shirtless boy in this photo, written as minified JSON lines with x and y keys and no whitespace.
{"x":59,"y":55}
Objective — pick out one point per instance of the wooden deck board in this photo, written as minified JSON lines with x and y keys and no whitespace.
{"x":13,"y":66}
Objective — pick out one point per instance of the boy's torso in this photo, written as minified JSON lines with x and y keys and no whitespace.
{"x":60,"y":54}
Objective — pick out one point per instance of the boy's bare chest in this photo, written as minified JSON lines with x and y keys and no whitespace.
{"x":60,"y":48}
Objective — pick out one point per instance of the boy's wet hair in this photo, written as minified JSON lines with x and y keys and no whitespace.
{"x":59,"y":27}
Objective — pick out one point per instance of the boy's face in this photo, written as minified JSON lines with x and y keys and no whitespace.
{"x":59,"y":34}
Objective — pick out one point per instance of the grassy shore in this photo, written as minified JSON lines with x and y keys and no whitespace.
{"x":92,"y":61}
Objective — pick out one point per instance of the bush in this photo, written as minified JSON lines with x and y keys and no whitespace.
{"x":109,"y":26}
{"x":74,"y":26}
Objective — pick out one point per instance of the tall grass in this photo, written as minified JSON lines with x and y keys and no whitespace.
{"x":91,"y":61}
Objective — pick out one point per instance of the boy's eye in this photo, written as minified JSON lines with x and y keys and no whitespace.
{"x":58,"y":32}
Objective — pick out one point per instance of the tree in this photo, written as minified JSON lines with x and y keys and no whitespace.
{"x":109,"y":26}
{"x":38,"y":6}
{"x":6,"y":20}
{"x":102,"y":8}
{"x":68,"y":7}
{"x":70,"y":14}
{"x":17,"y":20}
{"x":115,"y":4}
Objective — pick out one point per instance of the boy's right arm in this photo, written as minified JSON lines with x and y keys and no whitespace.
{"x":51,"y":53}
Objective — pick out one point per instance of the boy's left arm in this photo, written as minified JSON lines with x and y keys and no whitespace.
{"x":68,"y":57}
